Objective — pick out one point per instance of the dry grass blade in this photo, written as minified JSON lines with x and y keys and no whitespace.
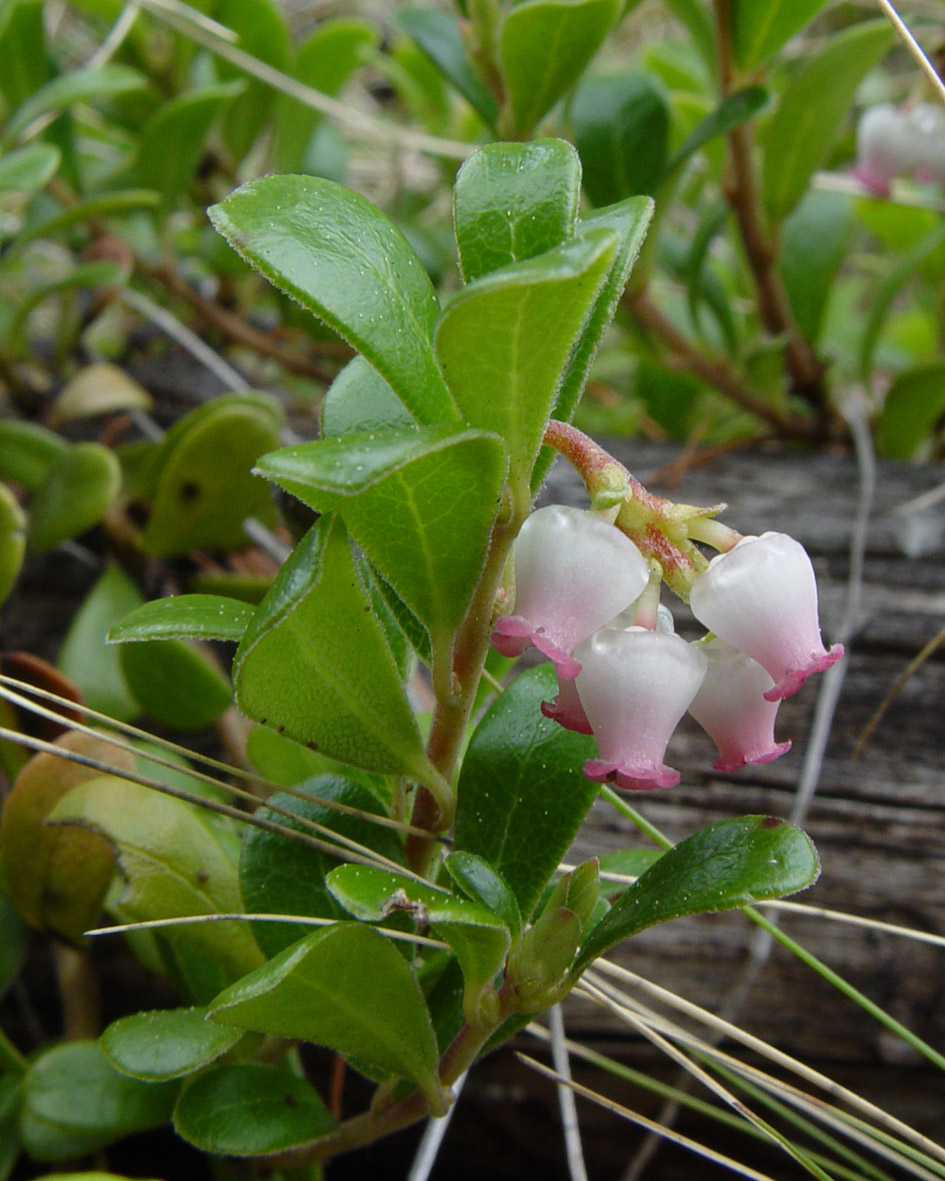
{"x":360,"y":853}
{"x":685,"y":1099}
{"x":692,"y":1068}
{"x":840,"y":1123}
{"x":836,"y":1091}
{"x":913,"y":46}
{"x":641,"y":1120}
{"x":191,"y":755}
{"x":239,"y":916}
{"x":190,"y":23}
{"x":853,"y":920}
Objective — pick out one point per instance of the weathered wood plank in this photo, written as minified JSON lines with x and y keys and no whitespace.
{"x":878,"y":821}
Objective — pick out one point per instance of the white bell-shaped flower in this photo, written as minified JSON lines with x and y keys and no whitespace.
{"x":886,"y":147}
{"x":573,"y":572}
{"x":925,"y":123}
{"x":566,"y":709}
{"x":634,"y":686}
{"x":732,"y":709}
{"x":761,"y":597}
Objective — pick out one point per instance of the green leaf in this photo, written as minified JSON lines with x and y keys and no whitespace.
{"x":12,"y":540}
{"x":280,"y":759}
{"x":812,"y":110}
{"x":485,"y":885}
{"x":79,"y":487}
{"x":912,"y":410}
{"x":522,"y":792}
{"x":908,"y":263}
{"x":27,"y":63}
{"x":83,"y":276}
{"x":621,"y":129}
{"x":103,"y":205}
{"x":439,"y":36}
{"x":76,"y":86}
{"x":165,"y":1043}
{"x":314,"y":663}
{"x":325,"y":61}
{"x":172,"y":141}
{"x":176,"y":683}
{"x":630,"y":220}
{"x":172,"y":861}
{"x":731,"y":863}
{"x":248,"y":1109}
{"x":737,"y":108}
{"x":263,"y":33}
{"x":200,"y":617}
{"x":419,"y":503}
{"x":75,"y":1102}
{"x":28,"y":452}
{"x":279,"y":876}
{"x":344,"y":260}
{"x":500,"y":359}
{"x":205,"y":489}
{"x":761,"y":27}
{"x":814,"y":243}
{"x":359,"y":399}
{"x":695,"y":17}
{"x":86,"y":659}
{"x":347,"y":988}
{"x":545,"y":45}
{"x":27,"y":169}
{"x":478,"y":938}
{"x":513,"y":201}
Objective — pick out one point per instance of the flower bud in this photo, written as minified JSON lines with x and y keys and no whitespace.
{"x":635,"y":685}
{"x":730,"y":706}
{"x":573,"y":572}
{"x":761,"y":597}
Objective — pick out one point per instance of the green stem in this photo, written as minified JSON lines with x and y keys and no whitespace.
{"x":373,"y":1124}
{"x":451,"y":715}
{"x":832,"y":977}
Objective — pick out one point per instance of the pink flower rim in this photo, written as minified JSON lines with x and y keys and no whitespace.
{"x":768,"y":756}
{"x":631,"y":778}
{"x":558,"y":713}
{"x":513,"y":634}
{"x":790,"y":683}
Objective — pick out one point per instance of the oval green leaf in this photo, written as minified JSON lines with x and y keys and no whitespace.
{"x":314,"y":663}
{"x":522,"y":792}
{"x":178,"y":617}
{"x":493,"y":341}
{"x":729,"y":864}
{"x":513,"y":201}
{"x":248,"y":1109}
{"x":347,"y":988}
{"x":545,"y":45}
{"x":79,"y":487}
{"x":75,"y":1102}
{"x":175,"y":683}
{"x":344,"y":260}
{"x":812,"y":110}
{"x":165,"y":1043}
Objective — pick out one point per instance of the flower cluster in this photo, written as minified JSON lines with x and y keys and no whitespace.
{"x":587,"y":597}
{"x":897,"y":141}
